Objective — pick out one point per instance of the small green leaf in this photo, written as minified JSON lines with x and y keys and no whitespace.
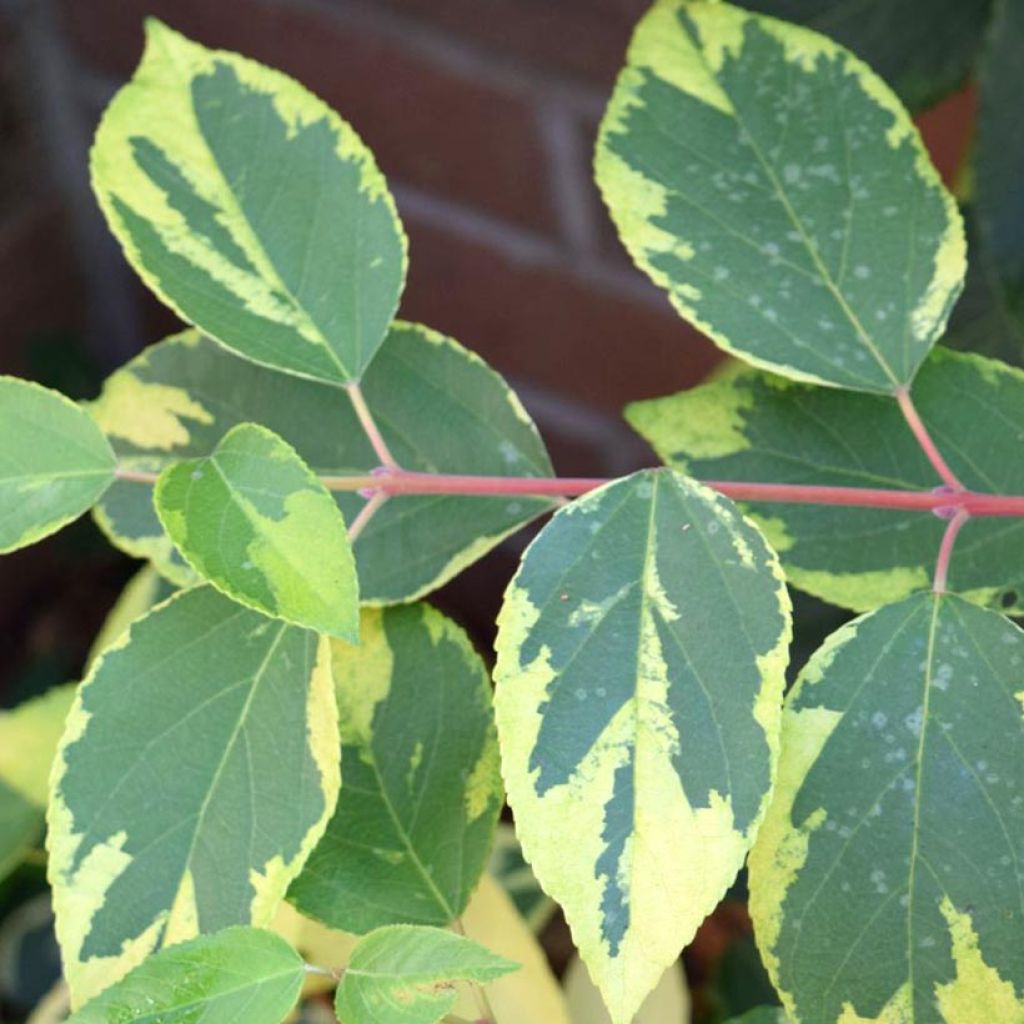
{"x":440,"y":409}
{"x":256,"y":521}
{"x":886,"y":881}
{"x":54,"y":462}
{"x":239,"y":974}
{"x":28,"y":740}
{"x":923,"y":48}
{"x":641,"y":654}
{"x":198,"y":769}
{"x":404,"y":974}
{"x":251,"y":209}
{"x":415,"y":822}
{"x":753,"y":426}
{"x":776,"y":188}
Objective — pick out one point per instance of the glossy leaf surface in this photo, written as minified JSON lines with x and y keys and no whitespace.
{"x":251,"y":209}
{"x":415,"y":822}
{"x":439,"y":407}
{"x":256,"y":521}
{"x":776,"y":188}
{"x":641,"y":651}
{"x":404,"y":975}
{"x":198,"y":769}
{"x":54,"y":463}
{"x":886,"y":880}
{"x":239,"y":974}
{"x":753,"y":426}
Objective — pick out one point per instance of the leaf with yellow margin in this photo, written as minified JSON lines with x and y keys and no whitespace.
{"x":415,"y":822}
{"x":668,"y":1003}
{"x":440,"y":408}
{"x":641,"y":654}
{"x":254,"y":520}
{"x":198,"y":768}
{"x":886,"y":882}
{"x":775,"y":187}
{"x":251,"y":209}
{"x":754,"y":426}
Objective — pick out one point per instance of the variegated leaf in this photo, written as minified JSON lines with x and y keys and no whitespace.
{"x":753,"y":426}
{"x":198,"y":769}
{"x":641,"y":653}
{"x":775,"y":187}
{"x":251,"y":209}
{"x":886,"y":881}
{"x":54,"y":462}
{"x":415,"y":823}
{"x":439,"y":407}
{"x":255,"y":521}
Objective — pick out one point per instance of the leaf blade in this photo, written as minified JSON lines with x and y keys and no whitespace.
{"x":848,"y":306}
{"x":607,"y":659}
{"x":244,"y":518}
{"x":878,"y":744}
{"x":413,"y":828}
{"x":209,"y":824}
{"x":54,"y":462}
{"x":238,"y":970}
{"x":179,"y":398}
{"x":250,"y":208}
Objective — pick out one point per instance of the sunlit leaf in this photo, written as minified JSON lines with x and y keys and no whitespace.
{"x":641,"y":651}
{"x":251,"y":209}
{"x":414,"y":824}
{"x":776,"y":188}
{"x":256,"y":521}
{"x":198,"y":768}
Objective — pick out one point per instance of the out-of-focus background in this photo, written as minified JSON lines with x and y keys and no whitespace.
{"x":482,"y":114}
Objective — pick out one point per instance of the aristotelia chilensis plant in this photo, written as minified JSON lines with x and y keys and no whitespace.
{"x":299,"y":469}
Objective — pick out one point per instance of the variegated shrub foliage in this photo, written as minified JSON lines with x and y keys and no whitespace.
{"x":275,"y":718}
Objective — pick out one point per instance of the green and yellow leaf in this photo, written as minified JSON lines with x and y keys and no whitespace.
{"x":669,"y":1000}
{"x":239,"y":974}
{"x":414,"y":825}
{"x":54,"y":463}
{"x":439,"y":407}
{"x":198,"y":769}
{"x":772,"y":184}
{"x":251,"y":209}
{"x":29,"y":735}
{"x":404,"y":974}
{"x":886,"y":882}
{"x":753,"y":426}
{"x":641,"y":653}
{"x":254,"y":520}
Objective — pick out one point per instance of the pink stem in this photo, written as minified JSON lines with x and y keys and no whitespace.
{"x":946,"y":550}
{"x":924,"y":439}
{"x":366,"y":513}
{"x":399,"y":481}
{"x":369,"y":425}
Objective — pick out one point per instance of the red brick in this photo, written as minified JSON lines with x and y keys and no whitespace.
{"x":576,"y":38}
{"x":428,"y":127}
{"x":546,"y":326}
